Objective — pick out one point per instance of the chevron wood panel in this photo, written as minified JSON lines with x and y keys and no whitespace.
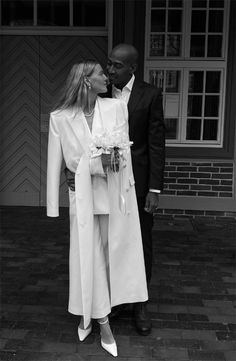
{"x":33,"y":69}
{"x":57,"y":55}
{"x":19,"y":117}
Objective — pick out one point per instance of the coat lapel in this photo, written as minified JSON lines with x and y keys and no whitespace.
{"x":135,"y":96}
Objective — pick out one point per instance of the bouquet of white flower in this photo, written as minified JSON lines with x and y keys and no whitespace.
{"x":115,"y":143}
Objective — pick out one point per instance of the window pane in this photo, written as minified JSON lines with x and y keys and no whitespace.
{"x":171,"y":128}
{"x":198,"y":21}
{"x":212,"y":82}
{"x":194,"y":105}
{"x":89,"y":12}
{"x":172,"y":81}
{"x":175,"y":3}
{"x":210,"y":129}
{"x":173,"y":45}
{"x":157,"y":45}
{"x":216,"y":4}
{"x":214,"y":46}
{"x":215,"y":21}
{"x":174,"y":20}
{"x":156,"y":78}
{"x":193,"y":129}
{"x":211,"y":105}
{"x":158,"y":20}
{"x":195,"y":82}
{"x":199,"y":3}
{"x":159,"y":3}
{"x":53,"y":12}
{"x":197,"y":45}
{"x":17,"y":13}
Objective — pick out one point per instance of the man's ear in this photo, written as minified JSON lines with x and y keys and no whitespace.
{"x":133,"y":68}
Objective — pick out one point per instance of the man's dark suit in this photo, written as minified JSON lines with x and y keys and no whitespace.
{"x":147,"y":131}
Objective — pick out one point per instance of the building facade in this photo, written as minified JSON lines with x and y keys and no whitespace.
{"x":186,"y":47}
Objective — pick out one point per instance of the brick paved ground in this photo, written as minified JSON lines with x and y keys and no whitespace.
{"x":192,"y":295}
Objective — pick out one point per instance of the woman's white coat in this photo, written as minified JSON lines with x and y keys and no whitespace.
{"x":70,"y":138}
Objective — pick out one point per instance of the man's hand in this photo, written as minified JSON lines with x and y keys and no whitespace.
{"x":70,"y":179}
{"x":152,"y":202}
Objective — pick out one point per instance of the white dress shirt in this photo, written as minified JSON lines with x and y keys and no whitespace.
{"x":124,"y":94}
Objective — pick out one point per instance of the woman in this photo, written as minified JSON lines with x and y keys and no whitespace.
{"x":106,"y":257}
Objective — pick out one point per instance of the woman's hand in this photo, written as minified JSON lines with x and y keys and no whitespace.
{"x":111,"y":161}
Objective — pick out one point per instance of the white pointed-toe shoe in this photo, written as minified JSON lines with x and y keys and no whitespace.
{"x":83,"y":333}
{"x":111,"y":348}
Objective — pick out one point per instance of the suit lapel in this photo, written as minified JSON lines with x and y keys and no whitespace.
{"x":135,"y":96}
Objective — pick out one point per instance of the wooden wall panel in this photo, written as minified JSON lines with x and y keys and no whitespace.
{"x":33,"y":69}
{"x":19,"y":120}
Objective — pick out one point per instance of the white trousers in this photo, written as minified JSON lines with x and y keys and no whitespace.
{"x":101,"y":305}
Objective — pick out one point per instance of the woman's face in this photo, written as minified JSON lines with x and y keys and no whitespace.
{"x":98,"y":80}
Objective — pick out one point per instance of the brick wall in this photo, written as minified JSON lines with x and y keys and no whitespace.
{"x":201,"y":179}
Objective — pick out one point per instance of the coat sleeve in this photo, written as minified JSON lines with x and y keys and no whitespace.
{"x":156,"y":139}
{"x":53,"y":169}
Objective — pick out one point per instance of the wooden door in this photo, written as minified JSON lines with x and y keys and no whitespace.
{"x":32,"y":72}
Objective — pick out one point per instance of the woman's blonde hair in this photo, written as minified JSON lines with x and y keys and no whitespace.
{"x":76,"y":89}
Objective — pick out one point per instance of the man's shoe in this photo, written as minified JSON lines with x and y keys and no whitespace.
{"x":142,"y":320}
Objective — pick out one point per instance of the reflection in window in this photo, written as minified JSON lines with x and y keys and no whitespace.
{"x":195,"y":82}
{"x":211,"y":106}
{"x":198,"y":21}
{"x":158,"y":20}
{"x":174,"y":20}
{"x":197,"y":46}
{"x":214,"y":46}
{"x":53,"y":12}
{"x":212,"y":82}
{"x":210,"y":129}
{"x":193,"y":129}
{"x":171,"y":128}
{"x":173,"y":45}
{"x":172,"y":81}
{"x":194,"y":105}
{"x":89,"y":12}
{"x":215,"y":21}
{"x":157,"y":45}
{"x":18,"y":12}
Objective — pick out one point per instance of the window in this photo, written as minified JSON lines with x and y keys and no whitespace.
{"x":57,"y":13}
{"x":186,"y":57}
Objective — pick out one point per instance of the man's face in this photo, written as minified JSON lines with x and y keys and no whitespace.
{"x":119,"y":69}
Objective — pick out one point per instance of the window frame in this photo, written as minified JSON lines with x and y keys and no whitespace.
{"x":60,"y":30}
{"x":186,"y":64}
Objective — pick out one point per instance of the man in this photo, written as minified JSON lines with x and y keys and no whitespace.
{"x":147,"y":131}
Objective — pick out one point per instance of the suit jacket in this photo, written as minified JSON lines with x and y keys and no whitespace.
{"x":147,"y":131}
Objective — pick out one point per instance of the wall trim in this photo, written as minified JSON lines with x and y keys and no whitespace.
{"x":197,"y":203}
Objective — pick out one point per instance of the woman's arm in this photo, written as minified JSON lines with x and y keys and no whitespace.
{"x":53,"y":169}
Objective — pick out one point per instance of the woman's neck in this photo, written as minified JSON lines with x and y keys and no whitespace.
{"x":91,"y":103}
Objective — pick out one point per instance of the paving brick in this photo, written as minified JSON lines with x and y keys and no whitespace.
{"x":195,"y":355}
{"x":192,"y":294}
{"x":230,"y":355}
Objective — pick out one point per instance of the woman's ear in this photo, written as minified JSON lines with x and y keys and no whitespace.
{"x":87,"y":82}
